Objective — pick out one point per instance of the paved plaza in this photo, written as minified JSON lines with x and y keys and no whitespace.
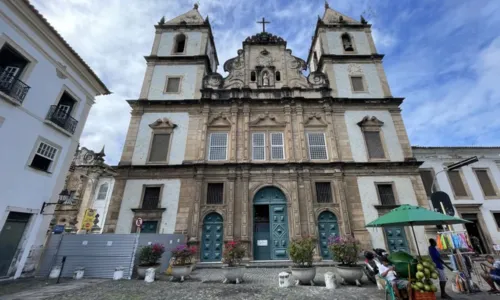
{"x":260,"y":283}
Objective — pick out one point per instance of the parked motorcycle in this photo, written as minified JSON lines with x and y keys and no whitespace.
{"x":372,"y":259}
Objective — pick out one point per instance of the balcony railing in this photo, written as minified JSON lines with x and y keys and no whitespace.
{"x":13,"y":87}
{"x":62,"y":119}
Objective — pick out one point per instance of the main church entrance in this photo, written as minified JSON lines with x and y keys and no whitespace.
{"x":270,"y":229}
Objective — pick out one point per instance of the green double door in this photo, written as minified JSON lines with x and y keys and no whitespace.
{"x":270,"y":240}
{"x":396,"y":239}
{"x":212,"y":239}
{"x":327,"y":227}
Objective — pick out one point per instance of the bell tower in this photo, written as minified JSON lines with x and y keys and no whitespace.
{"x":183,"y":53}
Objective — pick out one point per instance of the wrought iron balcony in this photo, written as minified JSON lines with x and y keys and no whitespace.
{"x":13,"y":87}
{"x":62,"y":119}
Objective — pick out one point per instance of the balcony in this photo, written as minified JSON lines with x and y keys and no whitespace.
{"x":15,"y":89}
{"x":62,"y":119}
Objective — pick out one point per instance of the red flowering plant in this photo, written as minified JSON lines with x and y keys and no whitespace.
{"x":151,"y":254}
{"x":183,"y":255}
{"x":233,"y":254}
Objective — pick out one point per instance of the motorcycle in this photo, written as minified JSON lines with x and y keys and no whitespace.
{"x":372,"y":260}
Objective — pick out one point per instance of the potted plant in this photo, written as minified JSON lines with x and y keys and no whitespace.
{"x":302,"y":252}
{"x":149,"y":257}
{"x":345,"y":250}
{"x":182,"y":256}
{"x":233,"y":253}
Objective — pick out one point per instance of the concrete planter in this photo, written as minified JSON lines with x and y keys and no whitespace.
{"x":304,"y":275}
{"x":181,"y":272}
{"x":233,"y":274}
{"x":352,"y":274}
{"x":141,"y":270}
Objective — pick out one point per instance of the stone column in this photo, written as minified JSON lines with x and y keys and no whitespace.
{"x":344,"y":149}
{"x":401,"y":132}
{"x":290,"y":149}
{"x":301,"y":132}
{"x":293,"y":205}
{"x":246,"y":208}
{"x":234,"y":130}
{"x":195,"y":210}
{"x":334,"y":154}
{"x":231,"y":177}
{"x":133,"y":130}
{"x":246,"y":130}
{"x":308,"y":198}
{"x":203,"y":138}
{"x":344,"y":209}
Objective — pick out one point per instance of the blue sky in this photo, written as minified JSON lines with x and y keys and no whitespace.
{"x":442,"y":56}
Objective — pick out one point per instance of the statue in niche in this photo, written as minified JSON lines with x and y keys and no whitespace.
{"x":265,"y":79}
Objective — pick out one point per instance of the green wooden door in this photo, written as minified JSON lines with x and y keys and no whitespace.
{"x":212,"y":241}
{"x":270,"y":225}
{"x":396,"y":239}
{"x":327,"y":226}
{"x":10,"y":236}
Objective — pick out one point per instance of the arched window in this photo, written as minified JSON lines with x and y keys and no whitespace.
{"x":278,"y":76}
{"x":180,"y":43}
{"x":252,"y":76}
{"x":347,"y":42}
{"x":103,"y":191}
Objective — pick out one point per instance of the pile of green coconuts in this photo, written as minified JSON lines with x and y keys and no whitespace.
{"x":426,"y":270}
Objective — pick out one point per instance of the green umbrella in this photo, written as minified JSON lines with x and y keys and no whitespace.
{"x":414,"y":215}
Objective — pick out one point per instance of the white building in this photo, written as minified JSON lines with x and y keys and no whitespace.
{"x":473,"y":189}
{"x":46,"y":92}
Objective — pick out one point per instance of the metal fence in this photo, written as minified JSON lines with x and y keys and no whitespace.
{"x":100,"y":254}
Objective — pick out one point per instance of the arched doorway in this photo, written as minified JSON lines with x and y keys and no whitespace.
{"x":270,"y":230}
{"x":327,"y":226}
{"x":212,"y":239}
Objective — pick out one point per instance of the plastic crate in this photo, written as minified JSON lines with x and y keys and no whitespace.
{"x":424,"y":296}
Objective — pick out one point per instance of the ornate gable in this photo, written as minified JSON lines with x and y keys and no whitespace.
{"x":315,"y":120}
{"x":370,"y":123}
{"x":163,"y":123}
{"x":219,"y":120}
{"x":266,"y":120}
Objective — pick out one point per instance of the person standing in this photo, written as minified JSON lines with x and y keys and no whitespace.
{"x":436,"y":258}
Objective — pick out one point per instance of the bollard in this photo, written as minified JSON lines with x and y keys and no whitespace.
{"x":330,"y":281}
{"x":78,"y":274}
{"x":150,"y":275}
{"x":54,"y":273}
{"x":118,"y":274}
{"x":284,"y":280}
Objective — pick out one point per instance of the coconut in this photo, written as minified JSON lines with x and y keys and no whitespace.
{"x":420,"y":267}
{"x":419,"y":275}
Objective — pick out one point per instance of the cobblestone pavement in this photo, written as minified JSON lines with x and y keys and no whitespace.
{"x":260,"y":283}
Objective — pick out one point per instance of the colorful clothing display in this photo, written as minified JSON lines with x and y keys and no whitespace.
{"x":451,"y":240}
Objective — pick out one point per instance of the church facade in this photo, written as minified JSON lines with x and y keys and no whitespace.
{"x":266,"y":154}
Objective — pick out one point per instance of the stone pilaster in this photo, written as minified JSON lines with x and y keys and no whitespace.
{"x":231,"y":177}
{"x":114,"y":206}
{"x":334,"y":143}
{"x":345,"y":153}
{"x":203,"y":138}
{"x":133,"y":130}
{"x":401,"y":132}
{"x":246,"y":206}
{"x":311,"y":224}
{"x":302,"y":142}
{"x":293,"y":206}
{"x":344,"y":208}
{"x":234,"y":130}
{"x":289,"y":148}
{"x":246,"y":130}
{"x":146,"y":84}
{"x":195,"y":211}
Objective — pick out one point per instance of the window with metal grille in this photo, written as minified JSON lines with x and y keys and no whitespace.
{"x":159,"y":147}
{"x":427,"y":178}
{"x":374,"y":144}
{"x":215,"y":193}
{"x":497,"y":218}
{"x":386,"y":194}
{"x":103,"y":191}
{"x":357,"y":84}
{"x":277,"y":146}
{"x":323,"y":192}
{"x":173,"y":84}
{"x":151,"y":197}
{"x":218,"y":146}
{"x":457,"y":184}
{"x":485,"y":182}
{"x":317,"y":146}
{"x":259,"y":146}
{"x":44,"y":157}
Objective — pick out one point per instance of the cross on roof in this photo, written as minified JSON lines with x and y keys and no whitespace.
{"x":263,"y":22}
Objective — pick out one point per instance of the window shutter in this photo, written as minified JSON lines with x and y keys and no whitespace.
{"x":215,"y":193}
{"x":485,"y":182}
{"x":159,"y":147}
{"x":457,"y":184}
{"x":317,"y":146}
{"x":277,"y":146}
{"x":151,"y":197}
{"x":357,"y":84}
{"x":427,"y":178}
{"x":218,"y":146}
{"x":374,"y":144}
{"x":173,"y":84}
{"x":386,"y":194}
{"x":323,"y":192}
{"x":258,"y":146}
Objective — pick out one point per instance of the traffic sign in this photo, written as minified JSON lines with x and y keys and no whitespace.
{"x":138,"y":222}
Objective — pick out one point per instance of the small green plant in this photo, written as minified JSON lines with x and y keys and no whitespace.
{"x":344,"y":249}
{"x":233,"y":253}
{"x":150,"y":255}
{"x":302,"y":252}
